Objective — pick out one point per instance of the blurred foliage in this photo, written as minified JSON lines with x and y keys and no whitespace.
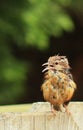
{"x":45,"y":18}
{"x":27,"y":23}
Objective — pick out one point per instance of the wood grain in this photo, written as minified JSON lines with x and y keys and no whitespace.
{"x":39,"y":117}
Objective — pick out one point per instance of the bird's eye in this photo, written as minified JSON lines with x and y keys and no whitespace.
{"x":56,"y":63}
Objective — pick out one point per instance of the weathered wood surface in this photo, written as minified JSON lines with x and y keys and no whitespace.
{"x":39,"y":117}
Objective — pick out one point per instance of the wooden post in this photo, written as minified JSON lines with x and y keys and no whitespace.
{"x":39,"y":117}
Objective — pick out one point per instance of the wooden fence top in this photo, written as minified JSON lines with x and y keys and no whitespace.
{"x":39,"y":117}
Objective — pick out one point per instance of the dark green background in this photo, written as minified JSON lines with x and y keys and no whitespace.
{"x":30,"y":32}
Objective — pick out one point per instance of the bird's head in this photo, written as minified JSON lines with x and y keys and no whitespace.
{"x":56,"y":63}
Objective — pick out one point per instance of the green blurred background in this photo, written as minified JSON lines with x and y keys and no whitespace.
{"x":30,"y":32}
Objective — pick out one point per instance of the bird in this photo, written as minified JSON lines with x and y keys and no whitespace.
{"x":58,"y":86}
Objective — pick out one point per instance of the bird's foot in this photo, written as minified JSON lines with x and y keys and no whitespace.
{"x":67,"y":110}
{"x":53,"y":110}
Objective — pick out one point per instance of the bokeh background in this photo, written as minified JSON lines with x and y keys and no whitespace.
{"x":30,"y":32}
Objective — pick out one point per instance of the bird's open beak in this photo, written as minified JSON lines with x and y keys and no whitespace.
{"x":45,"y":64}
{"x":47,"y":68}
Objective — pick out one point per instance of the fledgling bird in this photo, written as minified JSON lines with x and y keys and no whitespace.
{"x":58,"y":87}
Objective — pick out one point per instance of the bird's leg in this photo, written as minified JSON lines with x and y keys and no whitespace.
{"x":67,"y":110}
{"x":53,"y":110}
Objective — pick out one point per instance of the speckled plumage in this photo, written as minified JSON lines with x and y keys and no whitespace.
{"x":58,"y":86}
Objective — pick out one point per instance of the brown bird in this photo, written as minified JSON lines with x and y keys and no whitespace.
{"x":58,"y":87}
